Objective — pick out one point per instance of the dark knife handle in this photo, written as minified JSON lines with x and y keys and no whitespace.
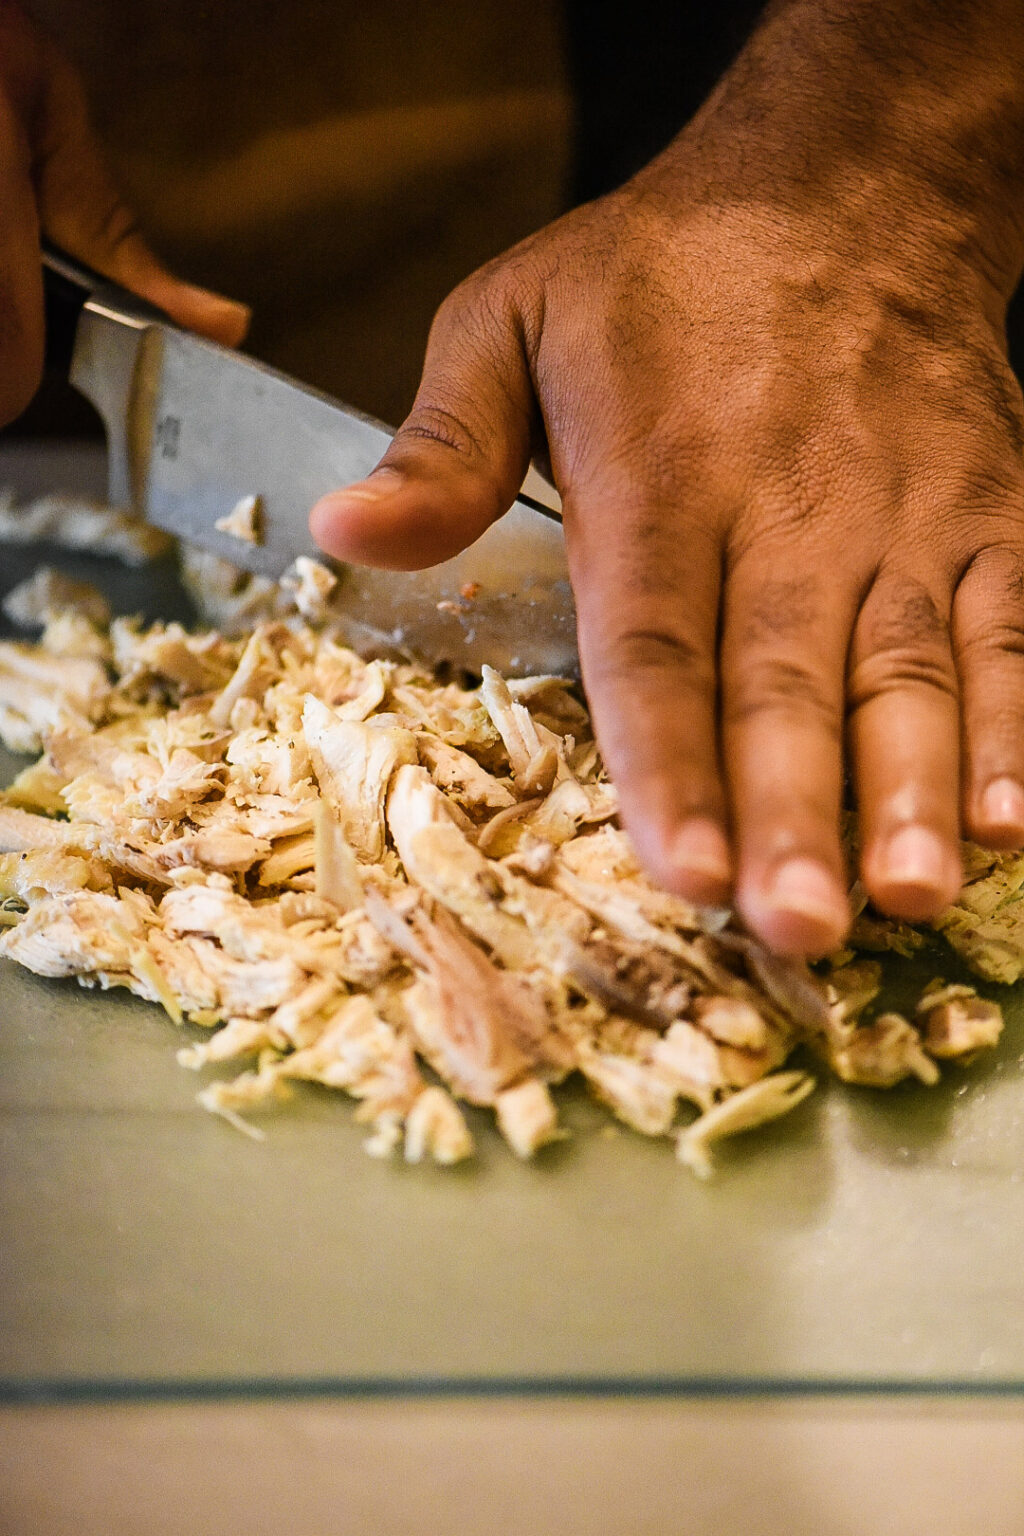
{"x":68,"y":285}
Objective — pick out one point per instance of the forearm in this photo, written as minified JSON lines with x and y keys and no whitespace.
{"x":893,"y":113}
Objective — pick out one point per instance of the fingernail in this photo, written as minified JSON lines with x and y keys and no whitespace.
{"x":916,"y":856}
{"x":225,"y":320}
{"x":1002,"y":804}
{"x":363,"y":492}
{"x":381,"y":483}
{"x":235,"y":307}
{"x":322,"y":524}
{"x":699,"y":848}
{"x":807,"y":889}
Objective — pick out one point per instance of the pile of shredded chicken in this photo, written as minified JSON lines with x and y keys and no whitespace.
{"x":351,"y":873}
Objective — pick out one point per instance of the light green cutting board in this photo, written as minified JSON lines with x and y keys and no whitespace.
{"x":871,"y":1238}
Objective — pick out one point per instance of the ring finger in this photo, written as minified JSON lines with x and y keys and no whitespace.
{"x":905,"y":746}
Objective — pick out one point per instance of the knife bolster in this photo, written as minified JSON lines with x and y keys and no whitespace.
{"x":105,"y":365}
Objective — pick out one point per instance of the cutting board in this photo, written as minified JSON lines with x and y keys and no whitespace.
{"x":871,"y":1240}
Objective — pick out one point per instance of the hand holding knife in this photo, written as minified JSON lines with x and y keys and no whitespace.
{"x":194,"y":428}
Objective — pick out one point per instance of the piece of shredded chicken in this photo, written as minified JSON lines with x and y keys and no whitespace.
{"x":48,"y":595}
{"x":347,"y":872}
{"x":243,"y":521}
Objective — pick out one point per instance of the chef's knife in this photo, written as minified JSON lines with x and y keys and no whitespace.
{"x":193,"y":429}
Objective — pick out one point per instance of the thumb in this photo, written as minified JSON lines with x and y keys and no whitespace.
{"x":81,"y":209}
{"x":458,"y":460}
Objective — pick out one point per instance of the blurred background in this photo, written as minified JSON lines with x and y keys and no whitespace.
{"x":341,"y":167}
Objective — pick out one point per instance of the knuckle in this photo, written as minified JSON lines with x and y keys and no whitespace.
{"x":636,"y":654}
{"x":112,"y":227}
{"x":438,"y":443}
{"x":443,"y":428}
{"x":998,"y":637}
{"x":772,"y":685}
{"x":456,"y":307}
{"x":989,"y":603}
{"x":486,"y":295}
{"x":896,"y":670}
{"x":506,"y":296}
{"x":989,"y":484}
{"x":902,"y":642}
{"x":998,"y":569}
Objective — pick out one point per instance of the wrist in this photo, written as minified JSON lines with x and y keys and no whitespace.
{"x":878,"y":122}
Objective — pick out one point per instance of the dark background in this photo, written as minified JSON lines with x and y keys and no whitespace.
{"x":634,"y":74}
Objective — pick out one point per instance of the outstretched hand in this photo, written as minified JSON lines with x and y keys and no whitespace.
{"x":788,"y":442}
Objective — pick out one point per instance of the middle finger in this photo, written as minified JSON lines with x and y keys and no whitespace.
{"x":784,"y":645}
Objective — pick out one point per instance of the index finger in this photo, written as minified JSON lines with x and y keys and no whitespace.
{"x":647,"y":583}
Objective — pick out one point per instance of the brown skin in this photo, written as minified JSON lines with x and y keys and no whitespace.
{"x":53,"y":180}
{"x":770,"y":378}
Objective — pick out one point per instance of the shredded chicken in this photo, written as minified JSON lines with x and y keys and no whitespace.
{"x":986,"y":923}
{"x":75,"y":522}
{"x":957,"y":1022}
{"x":762,"y":1101}
{"x":309,"y":585}
{"x":37,"y":602}
{"x":435,"y":1125}
{"x":243,"y":521}
{"x":348,"y":872}
{"x":225,"y":595}
{"x":527,"y":1116}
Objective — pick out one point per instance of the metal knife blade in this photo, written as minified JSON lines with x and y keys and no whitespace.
{"x":193,"y":428}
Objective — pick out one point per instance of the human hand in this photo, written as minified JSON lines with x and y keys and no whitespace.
{"x":789,"y":448}
{"x":54,"y":181}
